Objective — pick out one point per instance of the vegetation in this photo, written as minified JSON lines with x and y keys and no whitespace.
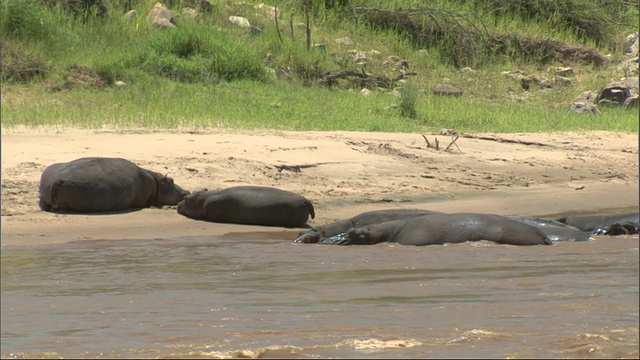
{"x":88,"y":66}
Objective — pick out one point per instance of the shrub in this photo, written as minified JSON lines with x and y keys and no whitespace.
{"x":26,"y":19}
{"x":194,"y":53}
{"x":19,"y":64}
{"x":408,"y":97}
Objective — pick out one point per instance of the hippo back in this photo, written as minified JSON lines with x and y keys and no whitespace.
{"x":252,"y":205}
{"x":96,"y":184}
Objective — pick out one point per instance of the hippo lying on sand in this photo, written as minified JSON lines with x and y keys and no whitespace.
{"x":444,"y":228}
{"x":251,"y":205}
{"x":555,"y":230}
{"x":625,"y":224}
{"x":95,"y":184}
{"x":315,"y":234}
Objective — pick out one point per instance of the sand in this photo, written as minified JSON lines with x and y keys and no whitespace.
{"x":342,"y":173}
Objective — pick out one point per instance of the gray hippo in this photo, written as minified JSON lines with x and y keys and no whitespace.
{"x":444,"y":228}
{"x":555,"y":230}
{"x":316,"y":233}
{"x":96,"y":184}
{"x":624,"y":224}
{"x":251,"y":205}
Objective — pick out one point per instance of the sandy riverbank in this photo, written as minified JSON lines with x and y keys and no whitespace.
{"x":342,"y":173}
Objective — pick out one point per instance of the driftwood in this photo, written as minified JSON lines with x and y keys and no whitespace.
{"x":360,"y":79}
{"x":494,"y":138}
{"x":294,"y":168}
{"x":298,"y":168}
{"x":437,"y":144}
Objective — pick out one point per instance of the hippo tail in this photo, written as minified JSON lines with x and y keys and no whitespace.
{"x":311,"y":210}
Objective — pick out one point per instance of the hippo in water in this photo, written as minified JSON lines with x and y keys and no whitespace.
{"x":555,"y":230}
{"x":96,"y":184}
{"x":251,"y":205}
{"x":625,"y":224}
{"x":315,"y":234}
{"x":444,"y":228}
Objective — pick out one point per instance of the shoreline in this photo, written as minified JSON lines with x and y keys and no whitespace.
{"x":344,"y":174}
{"x":168,"y":224}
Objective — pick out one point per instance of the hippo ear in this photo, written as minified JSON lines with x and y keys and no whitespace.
{"x":166,"y":180}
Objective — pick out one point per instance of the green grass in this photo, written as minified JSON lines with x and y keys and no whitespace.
{"x":206,"y":73}
{"x":164,"y":104}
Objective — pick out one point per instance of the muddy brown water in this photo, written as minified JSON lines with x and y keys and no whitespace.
{"x":260,"y":295}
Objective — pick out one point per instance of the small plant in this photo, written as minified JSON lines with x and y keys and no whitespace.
{"x":408,"y":97}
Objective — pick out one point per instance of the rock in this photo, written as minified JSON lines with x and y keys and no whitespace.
{"x":580,"y":107}
{"x":562,"y":80}
{"x":615,"y":93}
{"x":516,"y":74}
{"x":240,"y":21}
{"x":395,"y":93}
{"x":205,"y":5}
{"x":632,"y":83}
{"x":447,"y":90}
{"x":632,"y":42}
{"x":161,"y":17}
{"x":271,"y":11}
{"x":607,"y":102}
{"x":467,"y":70}
{"x":589,"y":96}
{"x":343,"y":41}
{"x":525,"y":82}
{"x":401,"y":65}
{"x":130,"y":15}
{"x":189,"y":13}
{"x":629,"y":67}
{"x":254,"y":30}
{"x":564,"y":71}
{"x":632,"y":101}
{"x":365,"y":92}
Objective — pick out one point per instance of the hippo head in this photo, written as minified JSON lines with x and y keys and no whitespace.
{"x":360,"y":235}
{"x":169,"y":193}
{"x":309,"y":237}
{"x":191,"y":206}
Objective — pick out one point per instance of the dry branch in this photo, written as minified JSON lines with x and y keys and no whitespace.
{"x":494,"y":138}
{"x":437,"y":144}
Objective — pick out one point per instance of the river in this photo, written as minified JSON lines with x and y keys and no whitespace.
{"x":260,"y":295}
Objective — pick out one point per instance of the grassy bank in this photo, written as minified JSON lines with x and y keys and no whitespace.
{"x":205,"y":73}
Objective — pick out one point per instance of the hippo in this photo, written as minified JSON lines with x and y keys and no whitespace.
{"x":316,"y":233}
{"x":625,"y":224}
{"x":444,"y":228}
{"x":251,"y":205}
{"x":98,"y":184}
{"x":555,"y":230}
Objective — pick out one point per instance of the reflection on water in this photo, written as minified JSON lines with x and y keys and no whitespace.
{"x":257,"y":295}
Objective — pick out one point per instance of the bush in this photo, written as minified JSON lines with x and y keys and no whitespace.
{"x":19,"y":64}
{"x":193,"y":54}
{"x":27,"y":19}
